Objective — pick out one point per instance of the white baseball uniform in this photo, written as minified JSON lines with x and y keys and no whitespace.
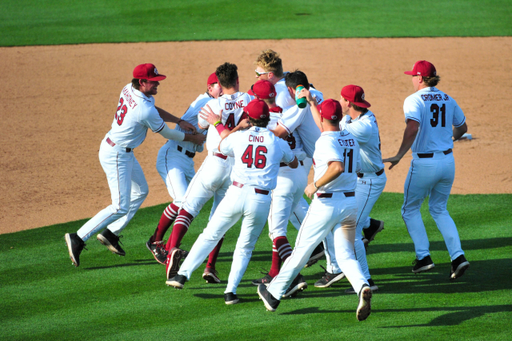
{"x":175,"y":162}
{"x":128,"y":187}
{"x":303,"y":134}
{"x":333,"y":208}
{"x":370,"y":183}
{"x":432,"y":168}
{"x":257,"y":154}
{"x":212,"y":178}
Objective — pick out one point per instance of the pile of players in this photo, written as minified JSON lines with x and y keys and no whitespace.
{"x":261,"y":146}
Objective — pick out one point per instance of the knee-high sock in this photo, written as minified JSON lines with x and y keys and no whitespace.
{"x":168,"y":216}
{"x":183,"y":221}
{"x":212,"y":258}
{"x":281,"y":250}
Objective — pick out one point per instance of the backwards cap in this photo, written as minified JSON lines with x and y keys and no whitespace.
{"x":330,"y":110}
{"x":148,"y":72}
{"x":355,"y":94}
{"x":422,"y":68}
{"x":257,"y":109}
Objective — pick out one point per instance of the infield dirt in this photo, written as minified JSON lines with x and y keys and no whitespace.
{"x":59,"y":102}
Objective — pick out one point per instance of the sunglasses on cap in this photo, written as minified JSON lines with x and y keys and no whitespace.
{"x":260,"y":73}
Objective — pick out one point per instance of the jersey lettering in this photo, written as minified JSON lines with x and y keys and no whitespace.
{"x":259,"y":139}
{"x":234,"y":105}
{"x":259,"y":159}
{"x":436,"y":112}
{"x":348,"y":160}
{"x":230,"y":121}
{"x":122,"y":109}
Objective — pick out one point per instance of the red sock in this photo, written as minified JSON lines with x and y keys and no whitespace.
{"x":281,"y":250}
{"x":165,"y":222}
{"x":212,"y":258}
{"x":183,"y":221}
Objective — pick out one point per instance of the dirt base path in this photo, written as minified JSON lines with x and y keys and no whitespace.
{"x":58,"y":103}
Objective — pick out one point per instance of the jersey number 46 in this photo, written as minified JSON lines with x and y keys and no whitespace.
{"x":255,"y":156}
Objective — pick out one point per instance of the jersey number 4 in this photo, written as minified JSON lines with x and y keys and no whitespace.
{"x":122,"y":109}
{"x":436,"y":112}
{"x":255,"y":156}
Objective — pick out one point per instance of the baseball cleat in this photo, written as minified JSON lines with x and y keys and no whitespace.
{"x":231,"y":298}
{"x":364,"y":309}
{"x":422,"y":265}
{"x":173,"y":262}
{"x":271,"y":303}
{"x":369,"y":233}
{"x":329,"y":279}
{"x":158,"y":251}
{"x":298,"y":284}
{"x":111,"y":241}
{"x":211,"y":276}
{"x":318,"y":253}
{"x":459,"y":266}
{"x":75,"y":246}
{"x":372,"y":284}
{"x":177,"y":281}
{"x":264,"y":280}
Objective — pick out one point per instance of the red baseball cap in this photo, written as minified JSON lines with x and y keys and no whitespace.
{"x":264,"y":89}
{"x":422,"y":68}
{"x":147,"y":71}
{"x":212,"y":79}
{"x":257,"y":109}
{"x":355,"y":94}
{"x":330,"y":110}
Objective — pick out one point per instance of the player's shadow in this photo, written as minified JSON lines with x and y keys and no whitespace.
{"x":136,"y":262}
{"x":242,"y":298}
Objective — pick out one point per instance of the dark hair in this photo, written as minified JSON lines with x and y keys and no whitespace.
{"x":295,"y":78}
{"x":359,"y":109}
{"x":136,"y":84}
{"x":262,"y":122}
{"x":432,"y":81}
{"x":227,"y":74}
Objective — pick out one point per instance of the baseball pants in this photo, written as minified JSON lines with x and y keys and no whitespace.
{"x":431,"y":177}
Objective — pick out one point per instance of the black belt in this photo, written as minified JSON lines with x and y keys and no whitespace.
{"x":379,"y":173}
{"x":282,"y":164}
{"x":329,"y":195}
{"x":187,"y":153}
{"x":222,"y":156}
{"x":257,"y":190}
{"x":430,"y":155}
{"x":110,"y":142}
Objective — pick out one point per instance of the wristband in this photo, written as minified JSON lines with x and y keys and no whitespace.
{"x":220,"y":128}
{"x":314,"y":184}
{"x":217,"y":123}
{"x":179,"y":121}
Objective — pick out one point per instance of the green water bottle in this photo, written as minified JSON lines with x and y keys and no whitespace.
{"x":301,"y":102}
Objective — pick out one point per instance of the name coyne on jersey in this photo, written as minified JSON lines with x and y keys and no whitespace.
{"x":234,"y":105}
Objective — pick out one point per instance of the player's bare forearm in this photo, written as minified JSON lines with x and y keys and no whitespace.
{"x":195,"y":138}
{"x":168,"y":117}
{"x":411,"y":130}
{"x":334,"y":169}
{"x":314,"y":109}
{"x":294,"y":163}
{"x":459,"y":131}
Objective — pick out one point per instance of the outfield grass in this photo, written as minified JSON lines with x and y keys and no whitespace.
{"x":108,"y":297}
{"x":34,"y":22}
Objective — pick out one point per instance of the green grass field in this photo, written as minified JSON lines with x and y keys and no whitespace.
{"x":32,"y":22}
{"x":43,"y":297}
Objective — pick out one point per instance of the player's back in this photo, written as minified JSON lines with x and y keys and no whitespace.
{"x":437,"y":113}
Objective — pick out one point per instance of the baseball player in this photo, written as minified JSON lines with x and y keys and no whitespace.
{"x":257,"y":154}
{"x":136,"y":113}
{"x":175,"y":164}
{"x":269,"y":66}
{"x":212,"y":178}
{"x":291,"y":182}
{"x":429,"y":116}
{"x":333,"y":208}
{"x":362,"y":124}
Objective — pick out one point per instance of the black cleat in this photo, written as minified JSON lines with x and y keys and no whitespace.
{"x":177,"y":281}
{"x":75,"y":246}
{"x":158,"y":251}
{"x":264,"y":280}
{"x":173,"y":262}
{"x":231,"y":298}
{"x":318,"y":253}
{"x":298,"y":284}
{"x":422,"y":265}
{"x":364,"y":309}
{"x":111,"y":241}
{"x":369,"y":233}
{"x":459,"y":266}
{"x":328,"y":279}
{"x":271,"y":303}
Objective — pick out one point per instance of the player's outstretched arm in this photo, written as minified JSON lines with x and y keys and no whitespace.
{"x":168,"y":117}
{"x":334,"y":169}
{"x":313,"y":105}
{"x":459,"y":131}
{"x":411,"y":130}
